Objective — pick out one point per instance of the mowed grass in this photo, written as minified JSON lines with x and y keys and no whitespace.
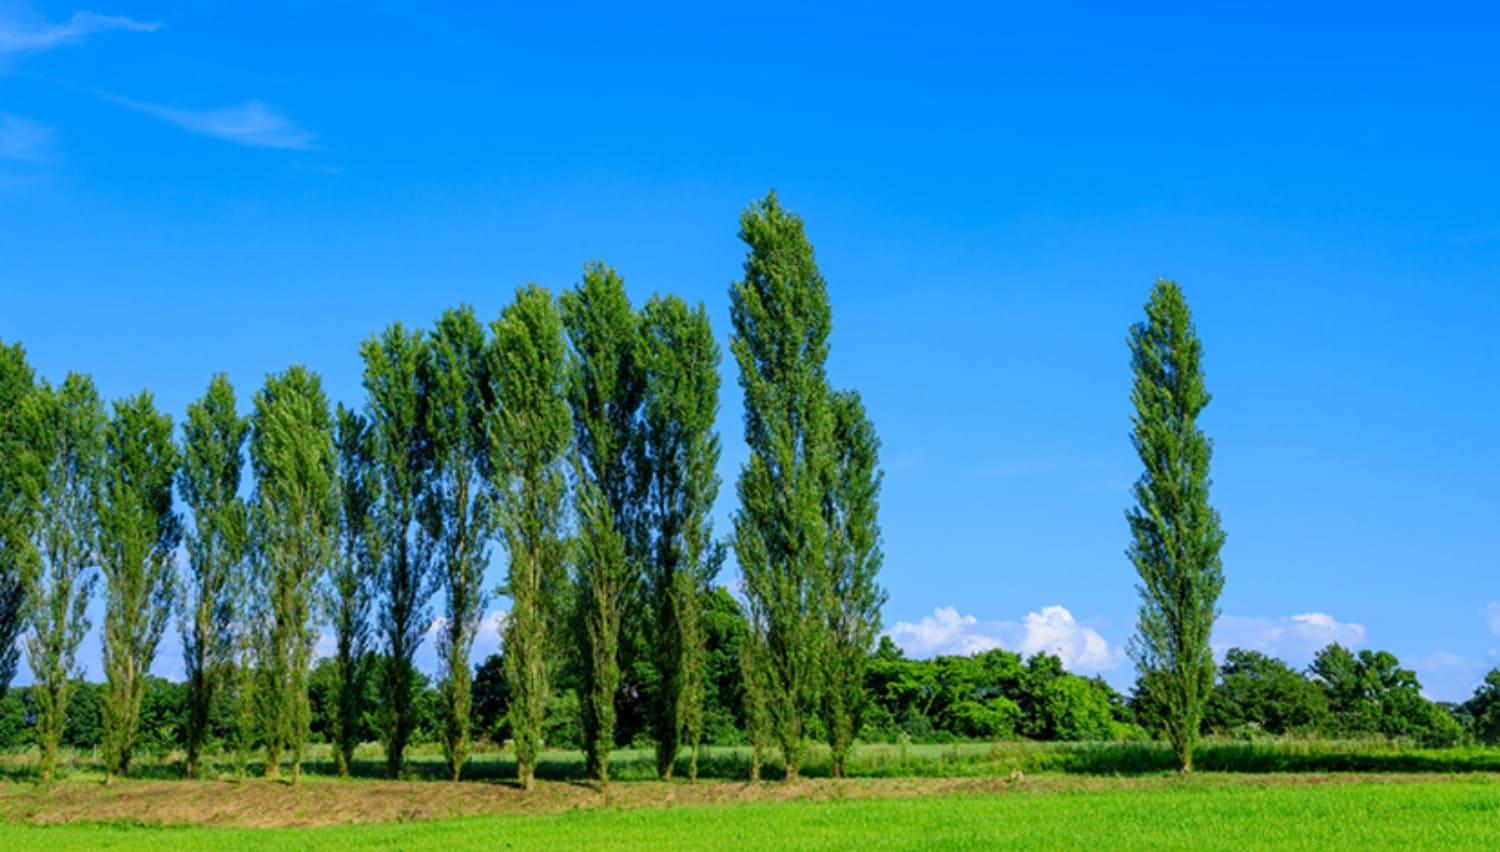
{"x":1193,"y":813}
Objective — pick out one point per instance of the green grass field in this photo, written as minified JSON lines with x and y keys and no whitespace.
{"x":1191,"y":814}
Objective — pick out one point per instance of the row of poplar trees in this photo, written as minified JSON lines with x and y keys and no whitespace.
{"x":576,"y":432}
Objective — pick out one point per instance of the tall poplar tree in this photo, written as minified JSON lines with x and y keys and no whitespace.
{"x":679,"y":359}
{"x":20,"y":491}
{"x":296,"y":522}
{"x":208,"y":480}
{"x":852,"y":598}
{"x":352,"y":578}
{"x":781,"y":322}
{"x":1175,"y":533}
{"x":529,"y":435}
{"x":70,"y":431}
{"x":139,"y":534}
{"x":604,"y":391}
{"x":396,"y":410}
{"x":460,"y":518}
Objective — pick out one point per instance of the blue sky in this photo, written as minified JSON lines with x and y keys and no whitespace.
{"x":188,"y":188}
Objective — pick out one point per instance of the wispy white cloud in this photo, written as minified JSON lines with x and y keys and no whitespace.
{"x":1492,"y":617}
{"x":253,"y":123}
{"x":37,"y":36}
{"x":24,"y":140}
{"x":1052,"y":630}
{"x":1294,"y":638}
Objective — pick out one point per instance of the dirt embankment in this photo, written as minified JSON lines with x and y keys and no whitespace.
{"x":262,"y":803}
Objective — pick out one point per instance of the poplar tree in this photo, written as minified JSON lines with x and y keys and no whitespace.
{"x":757,"y":701}
{"x":529,"y":436}
{"x":604,"y":388}
{"x":295,"y":520}
{"x":70,"y":431}
{"x":1175,"y":533}
{"x":852,"y":598}
{"x":396,"y":410}
{"x":351,"y":579}
{"x":139,"y":534}
{"x":781,"y":322}
{"x":20,"y":491}
{"x":208,"y":480}
{"x":460,"y":518}
{"x":679,"y":359}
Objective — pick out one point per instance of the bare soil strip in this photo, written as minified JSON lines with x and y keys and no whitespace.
{"x":321,"y":802}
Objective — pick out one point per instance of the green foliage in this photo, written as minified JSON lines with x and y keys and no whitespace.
{"x":83,"y":720}
{"x":990,"y":695}
{"x":852,"y":598}
{"x":680,"y":363}
{"x":1175,"y":533}
{"x":21,"y":478}
{"x":605,"y":388}
{"x":1484,"y":709}
{"x":139,"y":534}
{"x":781,"y":320}
{"x":724,"y":629}
{"x":350,"y":583}
{"x":529,"y":436}
{"x":1369,"y":693}
{"x":213,"y":441}
{"x":396,"y":408}
{"x":69,"y":427}
{"x":1264,"y":694}
{"x":295,"y":521}
{"x":491,"y":699}
{"x":459,"y":516}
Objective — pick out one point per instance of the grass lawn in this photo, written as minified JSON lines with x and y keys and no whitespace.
{"x":1206,"y":811}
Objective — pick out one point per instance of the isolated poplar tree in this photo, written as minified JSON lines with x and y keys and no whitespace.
{"x":20,"y":492}
{"x":604,"y":391}
{"x":459,"y":515}
{"x":139,"y":534}
{"x":781,"y":322}
{"x":70,"y":432}
{"x":1175,"y":533}
{"x":529,"y":437}
{"x":852,"y":599}
{"x":296,"y":523}
{"x":351,"y":579}
{"x":679,"y":359}
{"x":208,"y":480}
{"x":396,"y":410}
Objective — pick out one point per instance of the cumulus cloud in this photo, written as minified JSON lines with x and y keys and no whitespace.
{"x":1052,"y":630}
{"x":24,"y":140}
{"x":37,"y":36}
{"x":1055,"y":631}
{"x":1294,"y":638}
{"x":253,"y":123}
{"x":943,"y":632}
